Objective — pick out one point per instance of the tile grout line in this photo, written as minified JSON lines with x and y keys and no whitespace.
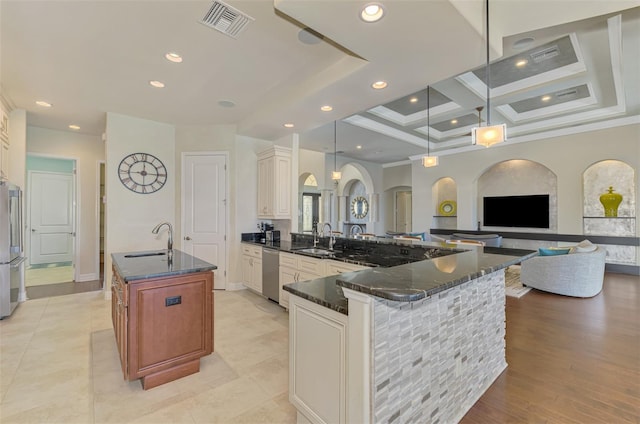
{"x":24,"y":351}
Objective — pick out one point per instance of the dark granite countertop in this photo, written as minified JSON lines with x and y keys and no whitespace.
{"x":133,"y":266}
{"x":408,"y":282}
{"x":405,"y":283}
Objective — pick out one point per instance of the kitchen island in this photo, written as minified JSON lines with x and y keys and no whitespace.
{"x":419,"y":342}
{"x":162,"y":313}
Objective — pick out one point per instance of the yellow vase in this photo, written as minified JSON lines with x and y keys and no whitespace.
{"x":610,"y":201}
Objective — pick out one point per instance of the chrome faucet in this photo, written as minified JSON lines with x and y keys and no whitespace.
{"x":332,"y":237}
{"x":170,"y":240}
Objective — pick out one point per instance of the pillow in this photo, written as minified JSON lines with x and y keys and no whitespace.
{"x":553,"y":251}
{"x":583,"y":247}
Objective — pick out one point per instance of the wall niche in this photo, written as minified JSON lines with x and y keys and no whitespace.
{"x":518,"y":177}
{"x":444,"y":198}
{"x":596,"y":180}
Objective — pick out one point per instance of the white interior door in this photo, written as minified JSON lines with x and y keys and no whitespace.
{"x":52,"y":218}
{"x":204,"y":217}
{"x":403,"y":211}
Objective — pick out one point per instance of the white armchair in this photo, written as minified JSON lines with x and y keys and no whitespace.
{"x":574,"y":274}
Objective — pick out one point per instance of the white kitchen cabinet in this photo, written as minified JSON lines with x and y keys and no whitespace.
{"x":4,"y":160}
{"x":274,"y":183}
{"x":4,"y":124}
{"x":294,"y":268}
{"x":317,"y":362}
{"x":252,"y":267}
{"x":337,"y":267}
{"x":4,"y":144}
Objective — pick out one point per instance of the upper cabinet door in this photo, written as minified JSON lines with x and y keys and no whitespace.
{"x":274,"y":183}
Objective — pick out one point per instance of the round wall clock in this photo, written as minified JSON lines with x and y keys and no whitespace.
{"x":142,"y":173}
{"x":359,"y":207}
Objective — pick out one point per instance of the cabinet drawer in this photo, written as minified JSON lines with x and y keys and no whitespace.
{"x":311,"y":265}
{"x":337,"y":267}
{"x":251,"y":250}
{"x":288,"y":260}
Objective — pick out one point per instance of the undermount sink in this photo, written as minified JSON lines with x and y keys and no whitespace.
{"x":316,"y":251}
{"x":142,"y":255}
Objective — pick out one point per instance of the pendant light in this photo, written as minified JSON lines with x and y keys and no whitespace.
{"x":335,"y":175}
{"x":488,"y":135}
{"x":429,"y":161}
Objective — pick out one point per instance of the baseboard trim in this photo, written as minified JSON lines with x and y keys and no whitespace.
{"x":87,"y":277}
{"x":235,"y":286}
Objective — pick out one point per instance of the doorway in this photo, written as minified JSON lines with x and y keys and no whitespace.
{"x":50,"y":221}
{"x":310,"y":211}
{"x":403,"y":211}
{"x":204,"y":210}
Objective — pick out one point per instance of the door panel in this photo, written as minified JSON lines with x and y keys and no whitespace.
{"x":51,"y":204}
{"x":204,"y":211}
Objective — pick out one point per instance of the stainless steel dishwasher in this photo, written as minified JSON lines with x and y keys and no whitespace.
{"x":270,"y":274}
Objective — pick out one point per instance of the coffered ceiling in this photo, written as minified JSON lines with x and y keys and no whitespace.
{"x":92,"y":57}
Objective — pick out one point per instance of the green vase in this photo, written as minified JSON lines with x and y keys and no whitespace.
{"x":610,"y":201}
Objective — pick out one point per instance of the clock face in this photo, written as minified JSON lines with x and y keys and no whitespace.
{"x":142,"y":173}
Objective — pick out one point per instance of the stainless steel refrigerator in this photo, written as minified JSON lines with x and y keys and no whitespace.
{"x":11,"y":251}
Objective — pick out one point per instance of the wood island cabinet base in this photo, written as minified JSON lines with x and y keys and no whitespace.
{"x":152,"y":380}
{"x":163,"y":325}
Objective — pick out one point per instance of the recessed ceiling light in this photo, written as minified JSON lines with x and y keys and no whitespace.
{"x":226,"y":103}
{"x":372,"y":12}
{"x":522,"y":62}
{"x":454,"y":121}
{"x":43,"y":103}
{"x":288,"y":125}
{"x":413,"y":99}
{"x":546,"y":98}
{"x":156,"y":84}
{"x":326,"y":108}
{"x":74,"y":127}
{"x":173,"y":57}
{"x":358,"y":147}
{"x":379,"y":85}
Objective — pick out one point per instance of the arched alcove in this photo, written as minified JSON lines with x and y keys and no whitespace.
{"x":444,"y":198}
{"x":519,"y":177}
{"x":355,"y":181}
{"x":596,"y":180}
{"x":308,"y":201}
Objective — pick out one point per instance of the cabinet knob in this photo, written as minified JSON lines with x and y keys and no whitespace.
{"x":187,"y":238}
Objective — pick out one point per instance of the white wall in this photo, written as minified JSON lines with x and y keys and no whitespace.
{"x":18,"y":147}
{"x":396,"y":176}
{"x":566,"y":156}
{"x":242,"y":181}
{"x":87,"y":150}
{"x":130,"y":216}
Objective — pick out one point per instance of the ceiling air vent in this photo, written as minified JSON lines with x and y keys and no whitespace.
{"x":545,"y":54}
{"x":226,"y":19}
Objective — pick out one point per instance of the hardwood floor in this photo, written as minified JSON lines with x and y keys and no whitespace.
{"x":571,"y":360}
{"x":62,"y":289}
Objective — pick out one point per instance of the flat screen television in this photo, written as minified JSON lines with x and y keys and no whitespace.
{"x":530,"y":211}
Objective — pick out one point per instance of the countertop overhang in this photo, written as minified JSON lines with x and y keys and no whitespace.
{"x":142,"y":265}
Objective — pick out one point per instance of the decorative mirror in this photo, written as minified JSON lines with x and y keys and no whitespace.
{"x":359,"y":207}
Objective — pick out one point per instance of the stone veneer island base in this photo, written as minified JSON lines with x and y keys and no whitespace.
{"x":425,"y":360}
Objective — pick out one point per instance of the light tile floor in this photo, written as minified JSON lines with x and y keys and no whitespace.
{"x":59,"y":364}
